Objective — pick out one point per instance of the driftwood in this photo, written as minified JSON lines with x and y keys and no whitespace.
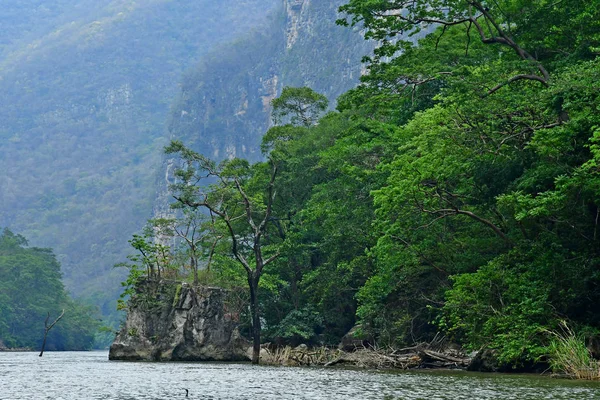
{"x":47,"y":329}
{"x":436,"y":354}
{"x":376,"y":359}
{"x":300,"y":356}
{"x":441,"y":357}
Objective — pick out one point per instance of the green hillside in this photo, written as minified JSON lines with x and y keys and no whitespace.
{"x":85,"y":89}
{"x":31,"y":291}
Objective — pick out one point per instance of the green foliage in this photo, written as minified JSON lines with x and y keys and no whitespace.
{"x":299,"y":326}
{"x":455,"y":189}
{"x":487,"y":217}
{"x":152,"y":262}
{"x":303,"y":106}
{"x":30,"y":288}
{"x":177,"y":295}
{"x":543,"y":28}
{"x":504,"y":306}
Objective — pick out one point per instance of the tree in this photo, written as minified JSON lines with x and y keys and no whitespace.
{"x":487,"y":223}
{"x":523,"y":26}
{"x":302,"y":105}
{"x":231,"y":203}
{"x":47,"y":329}
{"x":192,"y":229}
{"x":153,"y":256}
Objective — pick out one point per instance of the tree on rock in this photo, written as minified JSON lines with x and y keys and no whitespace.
{"x":245,"y":213}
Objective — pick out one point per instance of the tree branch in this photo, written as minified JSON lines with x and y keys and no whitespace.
{"x":517,"y":78}
{"x":47,"y":329}
{"x":446,"y":212}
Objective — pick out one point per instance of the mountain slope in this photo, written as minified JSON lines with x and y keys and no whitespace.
{"x":224,"y":107}
{"x":84,"y":105}
{"x":88,"y":99}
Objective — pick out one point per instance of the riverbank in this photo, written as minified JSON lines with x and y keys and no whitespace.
{"x":421,"y":356}
{"x":15,"y":350}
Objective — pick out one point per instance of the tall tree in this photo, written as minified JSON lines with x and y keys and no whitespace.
{"x":302,"y":106}
{"x":526,"y":28}
{"x":229,"y":200}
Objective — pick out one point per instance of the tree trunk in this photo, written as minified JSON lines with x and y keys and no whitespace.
{"x":253,"y":283}
{"x":194,"y":267}
{"x":47,"y":329}
{"x":44,"y":343}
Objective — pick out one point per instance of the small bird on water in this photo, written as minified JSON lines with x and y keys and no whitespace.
{"x":187,"y":392}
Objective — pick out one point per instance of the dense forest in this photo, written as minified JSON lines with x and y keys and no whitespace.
{"x":454,"y":190}
{"x":31,"y":291}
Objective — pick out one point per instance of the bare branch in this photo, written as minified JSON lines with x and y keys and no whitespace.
{"x":446,"y":212}
{"x":518,"y":78}
{"x":272,"y":258}
{"x":247,"y":205}
{"x":48,"y":327}
{"x":234,"y":246}
{"x":212,"y":252}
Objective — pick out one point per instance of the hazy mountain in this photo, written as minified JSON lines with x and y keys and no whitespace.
{"x":85,"y":89}
{"x":224,"y":106}
{"x":92,"y":90}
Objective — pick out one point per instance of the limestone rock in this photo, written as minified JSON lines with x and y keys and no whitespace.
{"x":485,"y":360}
{"x":593,"y":345}
{"x":184,"y":324}
{"x":353,"y":340}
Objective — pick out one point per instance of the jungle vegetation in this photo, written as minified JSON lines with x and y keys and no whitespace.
{"x":31,"y":291}
{"x":455,"y":190}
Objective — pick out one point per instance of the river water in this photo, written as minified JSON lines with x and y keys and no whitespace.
{"x":89,"y":375}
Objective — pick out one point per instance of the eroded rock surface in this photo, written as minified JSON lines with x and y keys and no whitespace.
{"x":179,"y":323}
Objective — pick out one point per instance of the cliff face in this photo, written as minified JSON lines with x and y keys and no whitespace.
{"x":224,"y":107}
{"x":225,"y":103}
{"x":185,"y":324}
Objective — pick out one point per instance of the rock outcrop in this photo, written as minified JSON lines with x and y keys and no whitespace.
{"x":179,"y":323}
{"x":355,"y":340}
{"x":485,"y":360}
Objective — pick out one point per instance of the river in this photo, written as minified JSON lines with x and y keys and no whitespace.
{"x":89,"y":375}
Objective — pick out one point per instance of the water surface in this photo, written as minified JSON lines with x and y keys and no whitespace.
{"x":89,"y":375}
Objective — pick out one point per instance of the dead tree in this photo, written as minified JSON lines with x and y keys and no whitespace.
{"x":47,"y":329}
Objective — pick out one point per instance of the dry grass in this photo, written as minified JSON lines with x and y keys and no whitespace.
{"x":569,"y":355}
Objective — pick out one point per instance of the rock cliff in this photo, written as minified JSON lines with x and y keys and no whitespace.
{"x":225,"y":102}
{"x":224,"y":107}
{"x":172,"y":322}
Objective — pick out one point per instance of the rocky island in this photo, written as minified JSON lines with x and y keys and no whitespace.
{"x":179,"y":322}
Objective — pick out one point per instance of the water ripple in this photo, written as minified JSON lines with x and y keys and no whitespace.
{"x":91,"y":376}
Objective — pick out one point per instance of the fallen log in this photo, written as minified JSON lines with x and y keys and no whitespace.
{"x":434,"y":355}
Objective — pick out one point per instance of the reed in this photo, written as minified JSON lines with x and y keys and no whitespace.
{"x":568,"y":354}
